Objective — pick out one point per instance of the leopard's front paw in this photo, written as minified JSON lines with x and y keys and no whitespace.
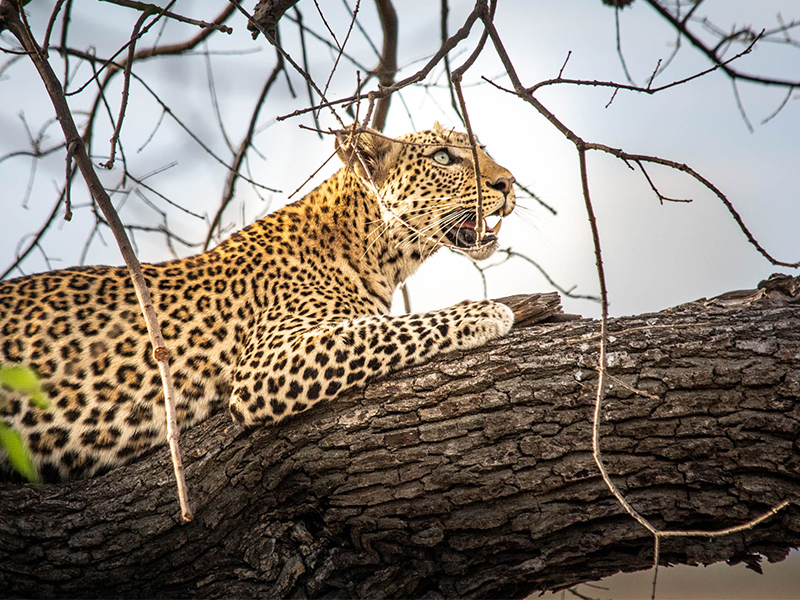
{"x":481,"y":322}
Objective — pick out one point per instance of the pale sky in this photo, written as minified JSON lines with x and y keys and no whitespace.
{"x":655,"y":255}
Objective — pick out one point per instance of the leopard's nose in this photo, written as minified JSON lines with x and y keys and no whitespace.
{"x":502,"y":184}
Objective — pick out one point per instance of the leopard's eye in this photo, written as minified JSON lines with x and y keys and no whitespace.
{"x":443,"y":157}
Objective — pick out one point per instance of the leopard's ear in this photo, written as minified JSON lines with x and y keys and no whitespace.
{"x":368,"y":153}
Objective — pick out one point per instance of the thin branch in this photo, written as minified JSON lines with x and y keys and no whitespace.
{"x":741,"y":108}
{"x":304,"y":54}
{"x":68,"y":179}
{"x":661,"y":197}
{"x":142,"y":31}
{"x":387,"y":67}
{"x":314,"y":174}
{"x":63,"y":40}
{"x":563,"y":291}
{"x":152,"y":8}
{"x":126,"y":84}
{"x":625,"y":156}
{"x":361,"y":29}
{"x":681,"y":26}
{"x":353,"y":20}
{"x":234,"y":173}
{"x":603,"y":358}
{"x":456,"y":78}
{"x":51,"y":22}
{"x":20,"y":30}
{"x":445,"y":9}
{"x":191,"y":134}
{"x":780,"y":106}
{"x":305,"y":29}
{"x":633,"y":88}
{"x":619,"y":47}
{"x":541,"y":202}
{"x":37,"y":237}
{"x":527,"y":95}
{"x":152,"y":190}
{"x":288,"y":59}
{"x":451,"y":43}
{"x":212,"y":92}
{"x":146,"y":53}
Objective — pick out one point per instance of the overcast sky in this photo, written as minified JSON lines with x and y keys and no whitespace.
{"x":655,"y":255}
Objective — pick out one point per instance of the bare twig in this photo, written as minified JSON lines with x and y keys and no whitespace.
{"x":37,"y":237}
{"x":20,"y":30}
{"x":563,"y":291}
{"x":146,"y":7}
{"x":582,"y":147}
{"x":661,"y":197}
{"x":147,"y":53}
{"x":780,"y":106}
{"x":445,"y":9}
{"x":234,"y":172}
{"x":212,"y":91}
{"x":63,"y":40}
{"x":291,"y":61}
{"x":456,"y":78}
{"x":625,"y":156}
{"x":353,"y":21}
{"x":304,"y":53}
{"x":527,"y":95}
{"x":353,"y":60}
{"x":619,"y":47}
{"x":680,"y":25}
{"x":649,"y":89}
{"x":71,"y":148}
{"x":388,"y":62}
{"x":126,"y":84}
{"x":50,"y":24}
{"x":451,"y":43}
{"x":533,"y":196}
{"x":314,"y":174}
{"x":741,"y":108}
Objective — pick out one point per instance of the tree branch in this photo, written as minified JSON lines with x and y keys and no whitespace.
{"x":471,"y":476}
{"x":712,"y":53}
{"x":388,"y":62}
{"x":76,"y":148}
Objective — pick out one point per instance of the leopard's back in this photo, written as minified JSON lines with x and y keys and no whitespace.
{"x":290,"y":311}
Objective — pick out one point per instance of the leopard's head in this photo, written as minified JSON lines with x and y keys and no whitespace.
{"x":425,"y":182}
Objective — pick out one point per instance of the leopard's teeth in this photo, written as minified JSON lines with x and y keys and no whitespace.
{"x":496,"y":229}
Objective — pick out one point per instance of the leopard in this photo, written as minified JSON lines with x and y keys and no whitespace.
{"x":290,"y":311}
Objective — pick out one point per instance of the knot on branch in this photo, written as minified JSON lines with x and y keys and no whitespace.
{"x":267,"y":13}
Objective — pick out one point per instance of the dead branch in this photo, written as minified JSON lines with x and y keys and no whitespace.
{"x":714,"y":54}
{"x":14,"y":23}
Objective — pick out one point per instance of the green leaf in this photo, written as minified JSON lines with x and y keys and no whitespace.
{"x":20,"y":378}
{"x":17,"y":453}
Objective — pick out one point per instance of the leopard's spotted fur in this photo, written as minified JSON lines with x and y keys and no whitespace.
{"x":289,"y":311}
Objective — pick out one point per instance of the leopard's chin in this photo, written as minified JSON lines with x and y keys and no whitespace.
{"x":482,"y":251}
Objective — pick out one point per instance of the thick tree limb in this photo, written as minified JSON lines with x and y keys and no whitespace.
{"x":471,"y":476}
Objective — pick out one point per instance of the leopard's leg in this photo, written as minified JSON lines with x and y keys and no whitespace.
{"x":277,"y":377}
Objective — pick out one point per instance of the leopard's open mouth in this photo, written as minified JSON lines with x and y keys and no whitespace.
{"x":463,"y":233}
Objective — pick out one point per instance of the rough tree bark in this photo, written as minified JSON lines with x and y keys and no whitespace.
{"x":471,"y":476}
